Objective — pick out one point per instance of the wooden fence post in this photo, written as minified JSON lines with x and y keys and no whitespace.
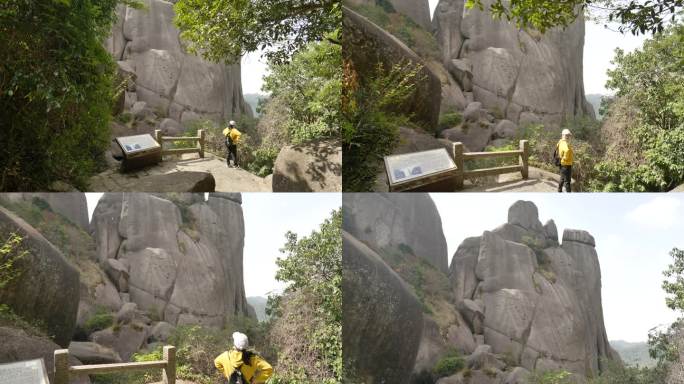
{"x":170,"y":370}
{"x":200,"y":133}
{"x":61,"y":362}
{"x":524,"y":158}
{"x":458,"y":159}
{"x":158,"y":136}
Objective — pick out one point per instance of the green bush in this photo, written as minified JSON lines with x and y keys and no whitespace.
{"x":449,"y":120}
{"x":100,"y":320}
{"x":11,"y":252}
{"x":448,"y":366}
{"x":56,"y":91}
{"x":551,"y":377}
{"x":370,"y":128}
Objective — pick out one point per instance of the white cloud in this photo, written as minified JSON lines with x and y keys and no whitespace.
{"x":662,"y":212}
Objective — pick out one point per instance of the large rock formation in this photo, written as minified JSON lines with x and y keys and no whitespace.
{"x":518,"y":74}
{"x":146,"y":44}
{"x":382,"y":319}
{"x":178,"y":257}
{"x":392,"y":220}
{"x":515,"y":299}
{"x":46,"y":286}
{"x":541,"y":300}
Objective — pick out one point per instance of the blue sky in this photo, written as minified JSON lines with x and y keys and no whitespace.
{"x":599,"y":48}
{"x":634,"y":234}
{"x":268,"y":216}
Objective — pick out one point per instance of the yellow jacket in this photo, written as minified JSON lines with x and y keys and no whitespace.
{"x":257,"y":372}
{"x":564,"y":152}
{"x":234,"y":134}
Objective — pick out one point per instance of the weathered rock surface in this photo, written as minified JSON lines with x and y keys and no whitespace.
{"x":47,"y":286}
{"x":516,"y":71}
{"x":382,"y":317}
{"x":124,"y":341}
{"x":309,"y":167}
{"x":92,"y":353}
{"x":541,"y":301}
{"x":71,"y":205}
{"x":400,"y":221}
{"x":183,"y":181}
{"x":170,"y":80}
{"x":18,"y":345}
{"x":182,"y":255}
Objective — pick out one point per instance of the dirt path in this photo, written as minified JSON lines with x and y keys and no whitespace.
{"x":227,"y":179}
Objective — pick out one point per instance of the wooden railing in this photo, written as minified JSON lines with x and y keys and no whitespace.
{"x":63,"y":371}
{"x":199,"y":147}
{"x":523,"y":155}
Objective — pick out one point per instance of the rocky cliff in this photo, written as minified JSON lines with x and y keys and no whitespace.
{"x":520,"y":74}
{"x":148,"y":264}
{"x":514,"y":300}
{"x":146,"y":241}
{"x":500,"y":78}
{"x":171,"y":82}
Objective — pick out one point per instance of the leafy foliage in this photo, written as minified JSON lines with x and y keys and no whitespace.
{"x":551,"y":377}
{"x":635,"y":16}
{"x":10,"y":253}
{"x":449,"y":365}
{"x":674,"y":284}
{"x":309,"y":88}
{"x":56,"y":91}
{"x":227,"y":29}
{"x":370,"y":128}
{"x":101,"y":319}
{"x":652,"y":81}
{"x":615,"y":373}
{"x":307,"y":328}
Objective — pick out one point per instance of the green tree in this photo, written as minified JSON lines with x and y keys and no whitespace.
{"x":634,"y":16}
{"x":674,"y":283}
{"x":56,"y":91}
{"x":307,"y":328}
{"x":309,"y":87}
{"x":227,"y":29}
{"x":651,"y":81}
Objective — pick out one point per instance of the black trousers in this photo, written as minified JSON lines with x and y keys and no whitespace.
{"x":232,"y":153}
{"x":565,"y":178}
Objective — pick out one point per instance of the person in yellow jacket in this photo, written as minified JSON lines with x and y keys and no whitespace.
{"x":241,"y":363}
{"x":232,"y":136}
{"x":564,"y":151}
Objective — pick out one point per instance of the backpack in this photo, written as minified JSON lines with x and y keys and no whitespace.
{"x":237,"y":378}
{"x":556,"y":157}
{"x":229,"y":139}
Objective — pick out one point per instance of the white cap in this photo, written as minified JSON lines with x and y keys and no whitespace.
{"x":232,"y":122}
{"x":240,"y":341}
{"x":566,"y":132}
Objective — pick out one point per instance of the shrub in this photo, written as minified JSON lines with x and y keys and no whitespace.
{"x":100,"y":320}
{"x":448,"y":120}
{"x":551,"y":377}
{"x":12,"y":251}
{"x":448,"y":366}
{"x":370,"y":129}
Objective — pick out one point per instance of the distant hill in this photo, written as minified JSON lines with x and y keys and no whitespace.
{"x":259,"y":304}
{"x":633,"y":353}
{"x":595,"y":101}
{"x":253,"y":100}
